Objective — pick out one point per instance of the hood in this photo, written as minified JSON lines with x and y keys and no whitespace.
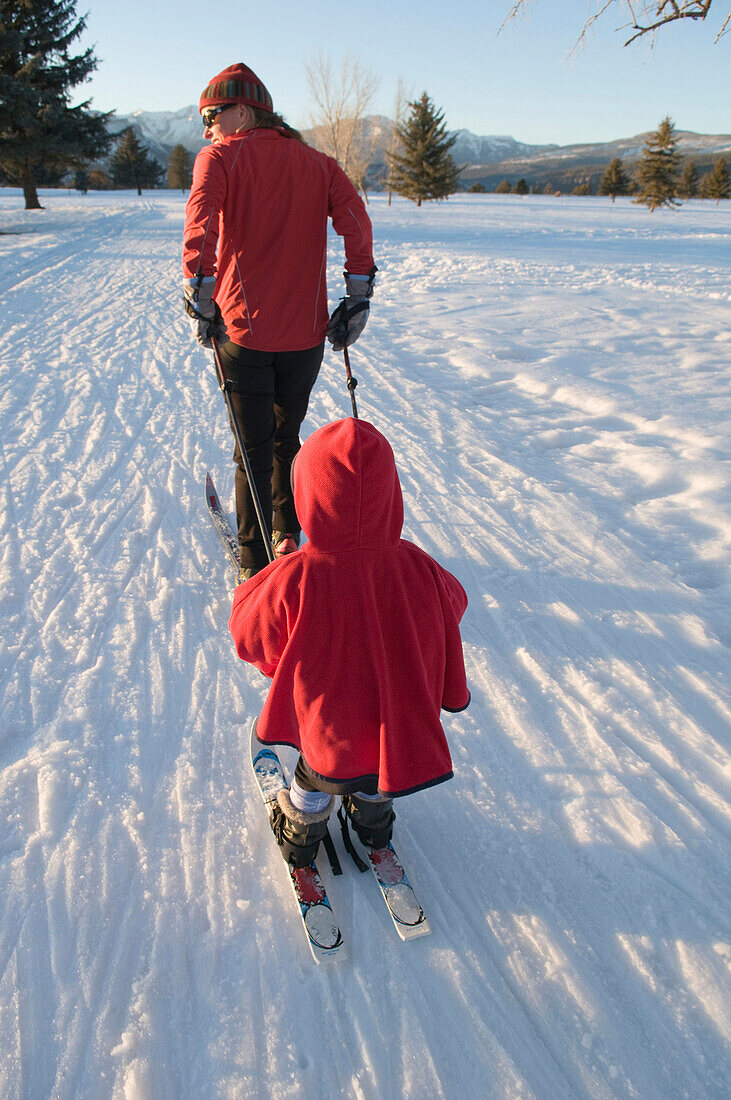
{"x":346,"y":488}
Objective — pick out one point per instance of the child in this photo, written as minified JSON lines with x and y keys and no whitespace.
{"x":359,"y":632}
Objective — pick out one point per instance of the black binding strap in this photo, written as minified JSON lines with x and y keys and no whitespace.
{"x":348,"y":843}
{"x":332,"y":855}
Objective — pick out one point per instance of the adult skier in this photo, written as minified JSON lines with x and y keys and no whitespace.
{"x":254,"y":279}
{"x":359,"y":632}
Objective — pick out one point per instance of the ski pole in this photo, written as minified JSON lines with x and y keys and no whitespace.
{"x":225,"y":385}
{"x":341,"y":332}
{"x":352,"y":382}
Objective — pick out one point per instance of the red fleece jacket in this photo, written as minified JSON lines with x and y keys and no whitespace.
{"x":265,"y":199}
{"x":359,"y":629}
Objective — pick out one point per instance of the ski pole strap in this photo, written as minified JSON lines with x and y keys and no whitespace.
{"x":198,"y":316}
{"x":230,"y":386}
{"x":332,"y":855}
{"x":348,"y":842}
{"x":355,"y":309}
{"x":344,"y":314}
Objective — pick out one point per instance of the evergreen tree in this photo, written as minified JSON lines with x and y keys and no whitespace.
{"x":180,"y":168}
{"x":716,"y":183}
{"x":131,"y":166}
{"x":503,"y":188}
{"x":688,"y":186}
{"x":38,"y":128}
{"x":521,"y":187}
{"x":81,"y":180}
{"x":582,"y":188}
{"x":615,"y":180}
{"x":477,"y":188}
{"x":424,"y":170}
{"x":658,"y":168}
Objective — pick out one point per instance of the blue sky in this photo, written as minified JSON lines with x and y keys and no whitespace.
{"x":159,"y":54}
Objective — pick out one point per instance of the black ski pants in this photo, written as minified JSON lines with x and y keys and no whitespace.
{"x":270,"y":391}
{"x":309,"y":780}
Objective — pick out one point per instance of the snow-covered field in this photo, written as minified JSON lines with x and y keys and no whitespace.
{"x":554,"y":377}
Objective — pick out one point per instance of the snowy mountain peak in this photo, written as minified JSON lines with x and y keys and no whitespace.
{"x":482,"y":155}
{"x":163,"y":129}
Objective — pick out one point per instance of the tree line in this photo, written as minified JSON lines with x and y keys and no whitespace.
{"x":44,"y":140}
{"x":131,"y":166}
{"x":661,"y":177}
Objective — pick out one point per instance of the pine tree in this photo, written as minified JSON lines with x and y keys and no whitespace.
{"x":503,"y":188}
{"x":477,"y":188}
{"x":131,"y":166}
{"x":521,"y":187}
{"x":658,"y":168}
{"x":38,"y":128}
{"x":688,"y":186}
{"x":180,"y":168}
{"x":615,"y":180}
{"x":81,"y":180}
{"x":424,"y":169}
{"x":716,"y":184}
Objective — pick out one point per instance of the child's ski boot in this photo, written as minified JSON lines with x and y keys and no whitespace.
{"x":372,"y":821}
{"x":298,"y":834}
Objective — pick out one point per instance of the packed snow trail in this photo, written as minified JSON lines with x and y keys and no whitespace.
{"x":554,"y":378}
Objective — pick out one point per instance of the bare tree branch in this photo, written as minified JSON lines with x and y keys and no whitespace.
{"x":341,"y":103}
{"x":649,"y":17}
{"x":399,"y":105}
{"x":590,"y":23}
{"x":669,"y":12}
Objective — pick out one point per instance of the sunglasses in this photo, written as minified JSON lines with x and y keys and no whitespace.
{"x":210,"y":114}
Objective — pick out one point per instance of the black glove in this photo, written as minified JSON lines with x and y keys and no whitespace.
{"x":349,"y":319}
{"x":205,"y":316}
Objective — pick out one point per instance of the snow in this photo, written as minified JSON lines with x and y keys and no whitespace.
{"x":554,"y":377}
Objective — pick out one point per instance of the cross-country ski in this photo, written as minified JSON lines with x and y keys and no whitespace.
{"x":405,"y":908}
{"x":222,"y":525}
{"x":321,"y":927}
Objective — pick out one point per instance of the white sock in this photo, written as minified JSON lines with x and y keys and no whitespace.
{"x":308,"y":802}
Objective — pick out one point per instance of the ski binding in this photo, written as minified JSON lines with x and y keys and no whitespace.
{"x":321,"y":927}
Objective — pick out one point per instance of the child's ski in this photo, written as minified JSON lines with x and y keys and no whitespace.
{"x":321,"y":927}
{"x":401,"y":901}
{"x":230,"y":543}
{"x":408,"y":917}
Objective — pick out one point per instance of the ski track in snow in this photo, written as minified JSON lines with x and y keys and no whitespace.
{"x":554,"y":378}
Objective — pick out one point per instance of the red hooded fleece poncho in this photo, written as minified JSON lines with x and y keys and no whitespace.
{"x":359,"y":629}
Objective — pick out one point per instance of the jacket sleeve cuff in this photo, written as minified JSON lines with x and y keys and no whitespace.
{"x":458,"y":710}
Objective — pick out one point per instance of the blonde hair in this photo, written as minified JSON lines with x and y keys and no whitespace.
{"x":270,"y":120}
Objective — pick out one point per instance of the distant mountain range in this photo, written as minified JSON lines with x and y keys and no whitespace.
{"x":564,"y":167}
{"x":486,"y":159}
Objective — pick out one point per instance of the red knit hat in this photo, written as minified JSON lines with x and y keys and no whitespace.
{"x":236,"y":84}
